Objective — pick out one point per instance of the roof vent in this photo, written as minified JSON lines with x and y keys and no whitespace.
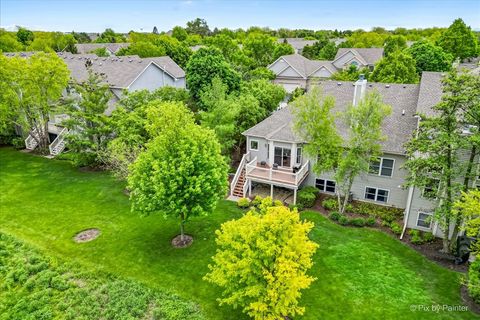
{"x":403,"y":112}
{"x":121,"y":60}
{"x":339,"y":83}
{"x":370,"y":85}
{"x":139,"y":61}
{"x":404,"y":86}
{"x":130,"y":60}
{"x":71,"y":58}
{"x":104,"y":59}
{"x":387,"y":86}
{"x":100,"y":64}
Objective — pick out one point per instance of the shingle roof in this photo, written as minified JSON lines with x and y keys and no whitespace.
{"x":370,"y":55}
{"x":83,"y":48}
{"x":430,"y":92}
{"x":119,"y":71}
{"x":297,"y":43}
{"x":397,"y":127}
{"x":306,"y":66}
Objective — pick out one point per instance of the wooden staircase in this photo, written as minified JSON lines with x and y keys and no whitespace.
{"x":238,"y":189}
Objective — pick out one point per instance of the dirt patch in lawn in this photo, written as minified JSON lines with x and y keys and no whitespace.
{"x":90,"y":169}
{"x":177,"y":242}
{"x":87,"y":235}
{"x":468,"y":301}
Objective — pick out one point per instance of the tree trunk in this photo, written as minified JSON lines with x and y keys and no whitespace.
{"x":182,"y":233}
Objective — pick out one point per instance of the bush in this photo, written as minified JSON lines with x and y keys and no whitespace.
{"x":473,"y":283}
{"x":370,"y":221}
{"x":330,"y":204}
{"x":295,"y":206}
{"x":335,"y":215}
{"x":256,"y":202}
{"x":311,"y":189}
{"x":396,"y":228}
{"x":414,"y":232}
{"x":243,"y":203}
{"x":428,"y":237}
{"x":357,"y":222}
{"x":343,"y":220}
{"x":306,"y":198}
{"x":18,"y":143}
{"x":277,"y":203}
{"x":416,"y":237}
{"x":386,"y":224}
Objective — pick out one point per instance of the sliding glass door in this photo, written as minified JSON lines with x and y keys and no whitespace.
{"x":283,"y":156}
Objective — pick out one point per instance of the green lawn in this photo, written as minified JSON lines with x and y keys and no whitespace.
{"x":361,"y":273}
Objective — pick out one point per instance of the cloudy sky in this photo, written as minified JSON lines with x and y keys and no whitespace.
{"x":123,"y":15}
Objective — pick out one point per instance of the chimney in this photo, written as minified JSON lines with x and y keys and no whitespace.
{"x":360,"y":89}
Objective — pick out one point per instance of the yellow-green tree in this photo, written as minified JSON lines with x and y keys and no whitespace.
{"x":262,"y":261}
{"x":469,"y":207}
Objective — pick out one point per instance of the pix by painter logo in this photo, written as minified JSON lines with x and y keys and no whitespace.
{"x":438,"y":308}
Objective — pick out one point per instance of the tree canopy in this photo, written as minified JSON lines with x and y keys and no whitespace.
{"x":459,"y":40}
{"x":429,"y":57}
{"x":397,"y":67}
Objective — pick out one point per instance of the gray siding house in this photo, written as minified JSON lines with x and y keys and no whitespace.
{"x":274,"y":151}
{"x":296,"y":71}
{"x":111,"y":48}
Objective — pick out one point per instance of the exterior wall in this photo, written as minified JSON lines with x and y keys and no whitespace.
{"x":289,"y":72}
{"x":343,"y":59}
{"x":397,"y":196}
{"x":153,"y":78}
{"x":266,"y":150}
{"x":322,"y":73}
{"x":278,"y":66}
{"x":261,"y":153}
{"x":291,"y":84}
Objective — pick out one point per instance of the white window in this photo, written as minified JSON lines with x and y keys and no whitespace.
{"x":382,"y":167}
{"x":430,"y":190}
{"x":299,"y":155}
{"x":325,"y":185}
{"x":424,"y":219}
{"x":254,"y":145}
{"x":376,"y":194}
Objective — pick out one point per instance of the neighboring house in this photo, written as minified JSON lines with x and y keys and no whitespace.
{"x":297,"y":43}
{"x":111,"y":48}
{"x":275,"y":154}
{"x":129,"y":73}
{"x":296,"y":71}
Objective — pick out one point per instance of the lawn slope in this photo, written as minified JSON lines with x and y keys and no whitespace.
{"x":361,"y":273}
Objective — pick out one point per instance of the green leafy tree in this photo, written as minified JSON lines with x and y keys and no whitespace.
{"x":258,"y":74}
{"x":467,"y":206}
{"x":262,"y":261}
{"x":351,"y":74}
{"x":81,"y":37}
{"x":110,"y":36}
{"x":143,"y":49}
{"x":87,"y":121}
{"x":174,"y":49}
{"x":459,"y":40}
{"x":260,"y":48}
{"x":31,"y":90}
{"x":362,"y":39}
{"x":102,"y":52}
{"x":181,"y":174}
{"x":434,"y":154}
{"x":398,"y":67}
{"x":198,"y":26}
{"x":268,"y":94}
{"x":282,"y":49}
{"x":179,"y":33}
{"x":394,"y":43}
{"x":429,"y":57}
{"x":225,"y":44}
{"x":323,"y":49}
{"x":9,"y":42}
{"x":25,"y":36}
{"x":206,"y":64}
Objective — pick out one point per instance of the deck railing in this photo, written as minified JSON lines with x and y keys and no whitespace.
{"x":278,"y":175}
{"x":238,"y":173}
{"x":58,"y":144}
{"x":302,"y":173}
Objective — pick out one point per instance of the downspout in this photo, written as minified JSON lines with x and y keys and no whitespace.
{"x":410,"y":195}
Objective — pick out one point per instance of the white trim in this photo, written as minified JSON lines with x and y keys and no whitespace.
{"x":376,"y":194}
{"x":418,"y":218}
{"x":359,"y":59}
{"x":296,"y":154}
{"x":379,"y":174}
{"x":250,"y":144}
{"x":322,"y":66}
{"x":289,"y":77}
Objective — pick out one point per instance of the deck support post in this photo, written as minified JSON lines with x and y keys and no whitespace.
{"x":295,"y":196}
{"x":271,"y":191}
{"x":249,"y":188}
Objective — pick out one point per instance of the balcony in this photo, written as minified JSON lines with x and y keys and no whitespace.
{"x":286,"y":177}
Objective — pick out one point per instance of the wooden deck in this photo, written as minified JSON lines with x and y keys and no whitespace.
{"x":280,"y":176}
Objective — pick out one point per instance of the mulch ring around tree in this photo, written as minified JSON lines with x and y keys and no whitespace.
{"x":177,"y":241}
{"x":468,"y":301}
{"x":86,"y":235}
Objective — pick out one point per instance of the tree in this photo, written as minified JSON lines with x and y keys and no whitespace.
{"x":323,"y":49}
{"x":262,"y":261}
{"x":174,"y":49}
{"x":429,"y":57}
{"x":179,"y":33}
{"x":459,"y":40}
{"x":198,"y":26}
{"x":25,"y":36}
{"x":260,"y":48}
{"x":282,"y":49}
{"x":102,"y":52}
{"x":258,"y":74}
{"x":155,"y":30}
{"x":81,"y":37}
{"x":206,"y":64}
{"x":110,"y":36}
{"x":181,"y":174}
{"x":225,"y":44}
{"x":394,"y":43}
{"x":351,"y":74}
{"x":31,"y":89}
{"x":268,"y":94}
{"x":143,"y":49}
{"x":433,"y":155}
{"x":467,"y":206}
{"x":87,"y":121}
{"x":398,"y":67}
{"x":9,"y":42}
{"x":347,"y":158}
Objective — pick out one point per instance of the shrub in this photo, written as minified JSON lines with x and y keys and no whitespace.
{"x":428,"y":237}
{"x":474,"y":281}
{"x":266,"y":202}
{"x":256,"y":202}
{"x":357,"y":222}
{"x":277,"y":203}
{"x":386,"y":224}
{"x":18,"y":143}
{"x":243,"y":203}
{"x":370,"y":221}
{"x":306,"y":198}
{"x":396,"y":228}
{"x":294,"y":206}
{"x":330,"y":204}
{"x":416,"y":237}
{"x":311,"y":189}
{"x":414,"y":232}
{"x":343,"y":220}
{"x":335,"y":215}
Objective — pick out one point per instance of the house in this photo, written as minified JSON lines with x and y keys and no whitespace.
{"x":295,"y":71}
{"x":128,"y":73}
{"x":275,"y":151}
{"x":111,"y":48}
{"x":297,"y":43}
